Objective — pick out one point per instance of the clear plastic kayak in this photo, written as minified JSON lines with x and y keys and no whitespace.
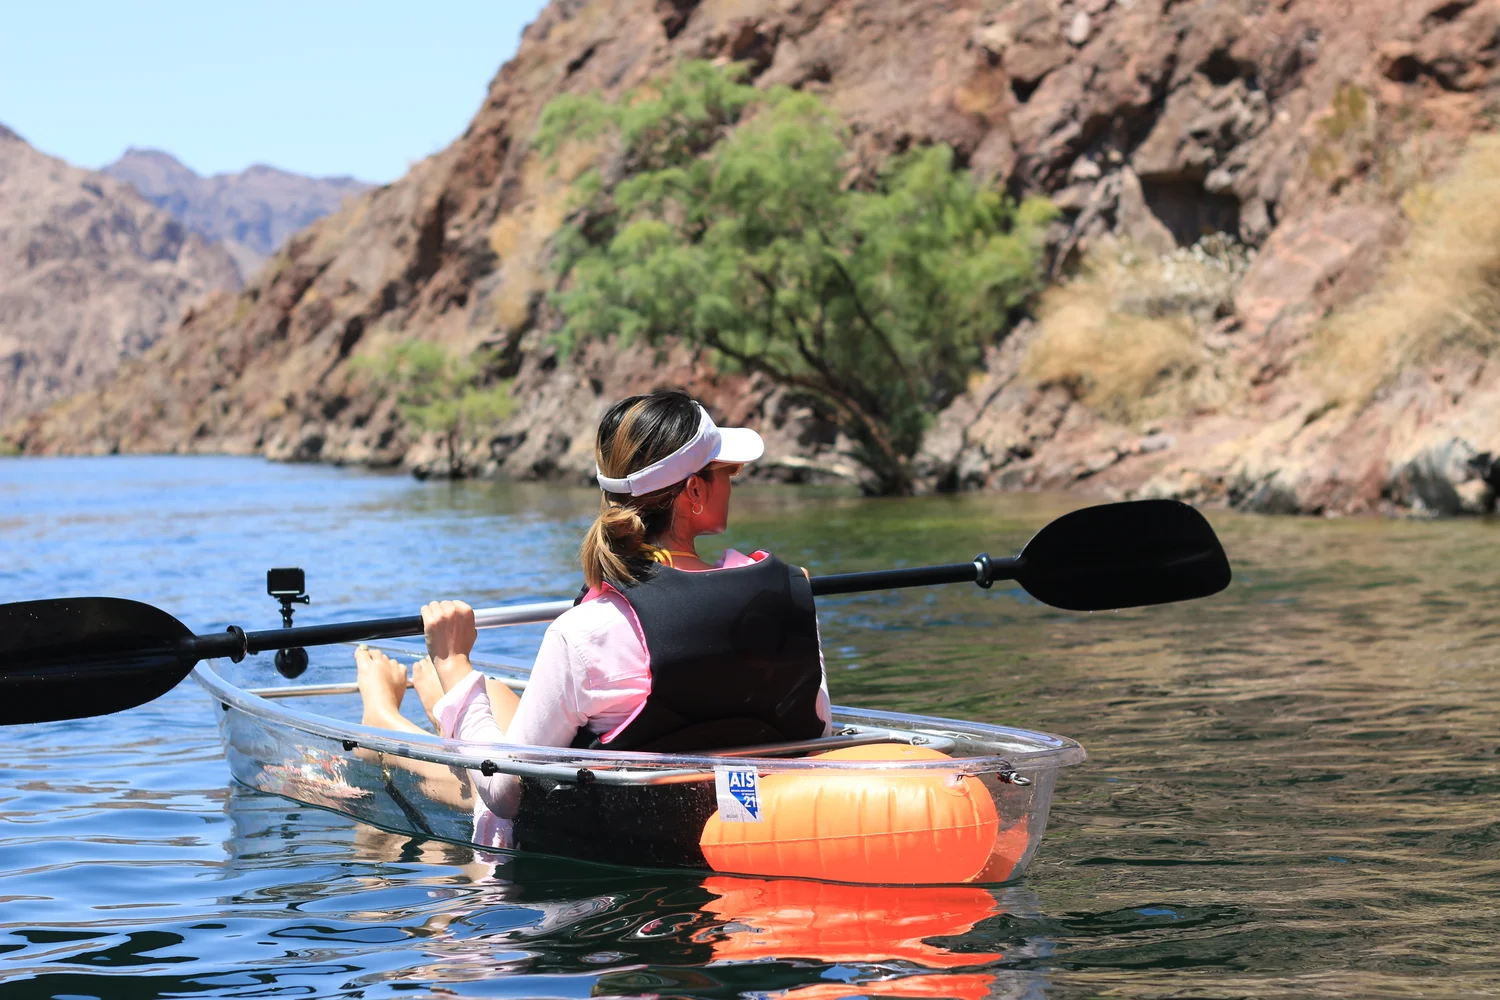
{"x":887,"y":799}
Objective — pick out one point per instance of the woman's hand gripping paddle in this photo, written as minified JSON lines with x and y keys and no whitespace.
{"x":81,"y":656}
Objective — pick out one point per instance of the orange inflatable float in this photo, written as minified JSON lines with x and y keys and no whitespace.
{"x":870,"y":826}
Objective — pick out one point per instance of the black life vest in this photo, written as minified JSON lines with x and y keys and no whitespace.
{"x":734,"y":659}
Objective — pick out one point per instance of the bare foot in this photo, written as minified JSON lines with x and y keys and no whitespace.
{"x":424,"y":678}
{"x":382,"y":684}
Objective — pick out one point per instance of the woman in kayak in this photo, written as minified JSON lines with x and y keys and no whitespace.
{"x":663,"y":651}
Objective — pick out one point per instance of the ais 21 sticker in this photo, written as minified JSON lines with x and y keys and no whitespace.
{"x":738,"y":790}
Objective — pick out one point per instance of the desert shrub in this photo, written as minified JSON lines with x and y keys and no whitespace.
{"x":738,"y":231}
{"x":1125,"y":334}
{"x":439,"y":391}
{"x":664,"y":124}
{"x":1391,"y":146}
{"x":1440,"y":292}
{"x":1344,"y":135}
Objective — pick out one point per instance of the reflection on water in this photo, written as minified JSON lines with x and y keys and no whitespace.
{"x":1292,"y":787}
{"x":467,"y":917}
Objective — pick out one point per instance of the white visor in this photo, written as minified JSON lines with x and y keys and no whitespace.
{"x":710,"y":444}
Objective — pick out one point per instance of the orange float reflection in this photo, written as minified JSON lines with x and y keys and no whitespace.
{"x":821,"y":921}
{"x":968,"y":986}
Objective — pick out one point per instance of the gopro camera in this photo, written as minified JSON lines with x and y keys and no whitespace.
{"x":288,"y":581}
{"x":288,"y":585}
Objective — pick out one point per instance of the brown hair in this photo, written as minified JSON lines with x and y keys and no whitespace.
{"x":635,"y":432}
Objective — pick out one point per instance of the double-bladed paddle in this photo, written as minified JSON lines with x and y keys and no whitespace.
{"x":81,"y":656}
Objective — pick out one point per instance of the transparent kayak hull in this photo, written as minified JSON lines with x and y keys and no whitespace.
{"x":947,"y":802}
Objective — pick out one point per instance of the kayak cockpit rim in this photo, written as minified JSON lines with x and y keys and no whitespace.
{"x":1011,"y":752}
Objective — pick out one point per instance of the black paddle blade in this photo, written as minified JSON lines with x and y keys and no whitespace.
{"x":82,"y":656}
{"x":1124,"y":555}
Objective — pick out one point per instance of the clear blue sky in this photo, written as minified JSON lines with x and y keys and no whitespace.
{"x":319,"y":87}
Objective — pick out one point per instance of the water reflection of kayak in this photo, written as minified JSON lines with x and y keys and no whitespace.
{"x":636,"y":931}
{"x":829,"y":922}
{"x":890,"y":798}
{"x":855,"y":925}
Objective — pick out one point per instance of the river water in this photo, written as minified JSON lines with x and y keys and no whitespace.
{"x":1293,"y":787}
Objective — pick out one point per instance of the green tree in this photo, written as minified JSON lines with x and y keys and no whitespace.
{"x":439,"y":391}
{"x":666,"y":124}
{"x":735,"y":228}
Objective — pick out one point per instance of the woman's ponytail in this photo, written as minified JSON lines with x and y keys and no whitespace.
{"x":635,"y":432}
{"x":615,"y":539}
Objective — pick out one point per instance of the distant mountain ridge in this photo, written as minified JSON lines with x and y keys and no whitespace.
{"x":91,"y":273}
{"x":252,"y":213}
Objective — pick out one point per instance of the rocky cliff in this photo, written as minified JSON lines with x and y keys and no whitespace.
{"x":90,"y":273}
{"x":1309,"y":134}
{"x":252,"y":213}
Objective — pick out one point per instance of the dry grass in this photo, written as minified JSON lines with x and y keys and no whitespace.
{"x":1391,"y":146}
{"x":1126,"y":334}
{"x":1346,"y":135}
{"x":1440,"y":294}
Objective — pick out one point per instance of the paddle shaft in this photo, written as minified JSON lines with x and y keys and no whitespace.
{"x":229,"y":643}
{"x":982,"y":569}
{"x":236,"y":644}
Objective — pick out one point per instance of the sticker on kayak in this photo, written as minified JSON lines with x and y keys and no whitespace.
{"x":738,"y":789}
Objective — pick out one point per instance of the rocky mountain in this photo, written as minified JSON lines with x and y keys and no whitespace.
{"x":90,"y":273}
{"x":1315,"y":139}
{"x":252,"y":212}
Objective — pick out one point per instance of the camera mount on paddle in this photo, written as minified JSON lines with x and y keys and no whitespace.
{"x":289,"y":586}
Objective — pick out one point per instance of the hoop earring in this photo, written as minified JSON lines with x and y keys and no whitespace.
{"x":697,"y":509}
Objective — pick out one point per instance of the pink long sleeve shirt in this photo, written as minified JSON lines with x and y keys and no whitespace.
{"x":592,"y":672}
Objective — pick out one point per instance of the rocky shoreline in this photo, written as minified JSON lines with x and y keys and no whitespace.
{"x":1309,"y":135}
